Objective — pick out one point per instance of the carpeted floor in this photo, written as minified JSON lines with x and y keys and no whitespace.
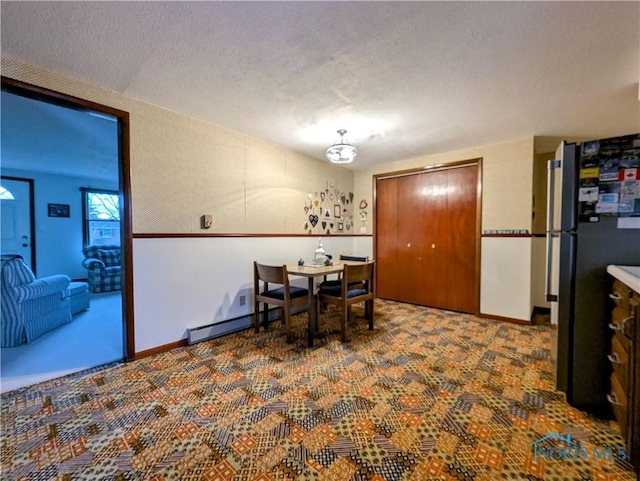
{"x":427,"y":395}
{"x":96,"y":335}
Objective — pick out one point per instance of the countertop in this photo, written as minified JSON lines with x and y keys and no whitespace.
{"x":630,"y":275}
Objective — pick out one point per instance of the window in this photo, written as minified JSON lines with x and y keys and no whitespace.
{"x":5,"y":194}
{"x":101,"y":210}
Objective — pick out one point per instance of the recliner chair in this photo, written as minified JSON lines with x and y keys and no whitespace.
{"x":104,"y":267}
{"x":30,"y":307}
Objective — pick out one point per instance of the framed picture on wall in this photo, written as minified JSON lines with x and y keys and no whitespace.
{"x":340,"y":226}
{"x":58,"y":210}
{"x":336,"y":211}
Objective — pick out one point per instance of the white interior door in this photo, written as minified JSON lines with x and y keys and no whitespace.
{"x":15,"y":205}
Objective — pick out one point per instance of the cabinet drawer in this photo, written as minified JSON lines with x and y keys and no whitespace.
{"x":619,"y":358}
{"x":618,"y":400}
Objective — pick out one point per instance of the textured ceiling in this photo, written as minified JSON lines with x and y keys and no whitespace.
{"x":405,"y":79}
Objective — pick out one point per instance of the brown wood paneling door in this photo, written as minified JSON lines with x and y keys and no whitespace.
{"x":387,"y":238}
{"x":432,"y":227}
{"x":462,"y":238}
{"x":411,"y":274}
{"x":426,"y":238}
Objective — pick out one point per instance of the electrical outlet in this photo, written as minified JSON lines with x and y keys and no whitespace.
{"x":243,"y":300}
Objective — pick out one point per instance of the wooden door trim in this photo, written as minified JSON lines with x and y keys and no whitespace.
{"x":478,"y":231}
{"x":124,"y":162}
{"x":429,"y":168}
{"x":433,"y":168}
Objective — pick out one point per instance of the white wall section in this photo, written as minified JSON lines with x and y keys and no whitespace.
{"x":505,"y":280}
{"x":181,"y":283}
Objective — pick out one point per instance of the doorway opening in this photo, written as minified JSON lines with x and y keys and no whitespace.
{"x":71,"y":147}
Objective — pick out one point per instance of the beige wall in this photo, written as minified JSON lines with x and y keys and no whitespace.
{"x":182,"y":168}
{"x":507,"y":181}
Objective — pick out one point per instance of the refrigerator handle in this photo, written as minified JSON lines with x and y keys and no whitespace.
{"x":551,"y":181}
{"x":547,"y":283}
{"x":552,"y":165}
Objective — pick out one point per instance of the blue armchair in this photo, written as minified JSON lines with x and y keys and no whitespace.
{"x":30,"y":307}
{"x":104,"y":267}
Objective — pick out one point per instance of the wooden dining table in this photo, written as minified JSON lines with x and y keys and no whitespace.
{"x":311,"y":272}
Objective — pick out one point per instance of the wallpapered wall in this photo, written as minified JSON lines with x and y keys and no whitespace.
{"x":182,"y":168}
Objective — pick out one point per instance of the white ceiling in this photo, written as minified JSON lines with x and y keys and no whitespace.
{"x":405,"y":79}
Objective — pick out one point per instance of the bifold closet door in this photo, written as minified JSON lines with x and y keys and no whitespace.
{"x":461,"y":238}
{"x":387,"y":272}
{"x":422,"y":233}
{"x":426,"y":238}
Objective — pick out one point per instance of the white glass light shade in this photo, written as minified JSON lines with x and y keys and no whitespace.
{"x":342,"y":152}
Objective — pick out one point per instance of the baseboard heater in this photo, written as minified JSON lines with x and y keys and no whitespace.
{"x":224,"y":328}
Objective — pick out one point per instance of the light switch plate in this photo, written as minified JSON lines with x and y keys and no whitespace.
{"x":206,"y":221}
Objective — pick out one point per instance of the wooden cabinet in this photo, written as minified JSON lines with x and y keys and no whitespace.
{"x":625,"y":362}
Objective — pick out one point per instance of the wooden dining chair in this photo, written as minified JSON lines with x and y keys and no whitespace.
{"x":336,"y":282}
{"x":286,"y":297}
{"x":356,"y":285}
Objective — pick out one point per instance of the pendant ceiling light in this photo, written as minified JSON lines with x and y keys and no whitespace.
{"x":342,"y":152}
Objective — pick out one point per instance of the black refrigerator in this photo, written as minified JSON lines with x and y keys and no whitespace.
{"x":590,"y":196}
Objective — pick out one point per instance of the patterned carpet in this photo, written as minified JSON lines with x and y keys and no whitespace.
{"x":427,"y":395}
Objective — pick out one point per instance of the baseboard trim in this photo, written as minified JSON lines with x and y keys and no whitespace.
{"x":223,"y":328}
{"x":160,"y":349}
{"x":510,"y":320}
{"x":218,"y":329}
